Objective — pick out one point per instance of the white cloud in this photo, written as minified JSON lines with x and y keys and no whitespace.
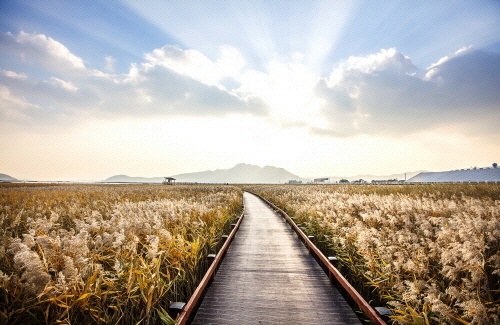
{"x":110,"y":63}
{"x":385,"y":61}
{"x":434,"y":68}
{"x":38,"y":48}
{"x":190,"y":63}
{"x":68,"y":85}
{"x":157,"y":90}
{"x":48,"y":93}
{"x":231,"y":62}
{"x":13,"y":74}
{"x":194,"y":64}
{"x":15,"y":108}
{"x":171,"y":81}
{"x":384,"y":94}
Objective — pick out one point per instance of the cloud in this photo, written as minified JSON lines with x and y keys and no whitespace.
{"x":110,"y":63}
{"x":53,"y":95}
{"x":194,"y":64}
{"x":15,"y":108}
{"x":157,"y":90}
{"x":383,"y":93}
{"x":471,"y":78}
{"x":386,"y":61}
{"x":170,"y":81}
{"x":38,"y":48}
{"x":386,"y":94}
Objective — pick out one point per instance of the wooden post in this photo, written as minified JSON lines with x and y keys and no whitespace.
{"x":175,"y":309}
{"x":335,"y":262}
{"x":384,"y":312}
{"x":311,"y":238}
{"x":299,"y":225}
{"x":210,"y":259}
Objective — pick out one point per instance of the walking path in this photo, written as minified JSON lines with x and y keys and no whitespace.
{"x":268,"y":277}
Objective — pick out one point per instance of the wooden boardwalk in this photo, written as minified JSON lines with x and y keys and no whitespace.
{"x":268,"y":277}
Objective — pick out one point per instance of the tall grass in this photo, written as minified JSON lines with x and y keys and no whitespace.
{"x":431,"y":252}
{"x":117,"y":254}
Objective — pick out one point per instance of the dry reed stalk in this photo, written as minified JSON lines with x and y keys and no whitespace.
{"x":432,"y":252}
{"x":105,"y":253}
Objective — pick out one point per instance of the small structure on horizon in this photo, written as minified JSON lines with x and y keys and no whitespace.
{"x":293,"y":181}
{"x":387,"y":181}
{"x":359,"y":181}
{"x":169,"y":181}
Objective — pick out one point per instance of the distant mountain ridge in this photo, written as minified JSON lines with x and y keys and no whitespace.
{"x":130,"y":179}
{"x":241,"y":173}
{"x":7,"y":178}
{"x":250,"y":174}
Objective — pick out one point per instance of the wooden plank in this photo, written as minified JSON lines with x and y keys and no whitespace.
{"x":369,"y":311}
{"x":195,"y":298}
{"x":269,"y":277}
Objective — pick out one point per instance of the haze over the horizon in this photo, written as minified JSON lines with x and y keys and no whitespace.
{"x":91,"y":89}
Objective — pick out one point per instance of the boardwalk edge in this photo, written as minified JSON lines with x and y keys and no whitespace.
{"x":194,"y":301}
{"x":368,"y":310}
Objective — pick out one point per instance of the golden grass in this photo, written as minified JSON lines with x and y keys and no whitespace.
{"x":116,"y":254}
{"x":431,"y":252}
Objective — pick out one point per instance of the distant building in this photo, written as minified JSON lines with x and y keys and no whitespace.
{"x":292,"y":181}
{"x":387,"y":181}
{"x":474,"y":175}
{"x":359,"y":181}
{"x":321,"y":180}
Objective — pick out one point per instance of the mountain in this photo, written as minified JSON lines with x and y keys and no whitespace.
{"x":129,"y":179}
{"x":241,"y":173}
{"x":7,"y":178}
{"x":245,"y":173}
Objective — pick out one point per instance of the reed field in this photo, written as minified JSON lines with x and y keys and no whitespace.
{"x":430,"y":253}
{"x":117,"y":254}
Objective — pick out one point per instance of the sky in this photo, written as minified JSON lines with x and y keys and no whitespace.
{"x":91,"y":89}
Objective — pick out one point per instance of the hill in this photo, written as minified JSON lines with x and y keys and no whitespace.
{"x":7,"y":178}
{"x":245,"y":173}
{"x":130,"y":179}
{"x":241,"y":173}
